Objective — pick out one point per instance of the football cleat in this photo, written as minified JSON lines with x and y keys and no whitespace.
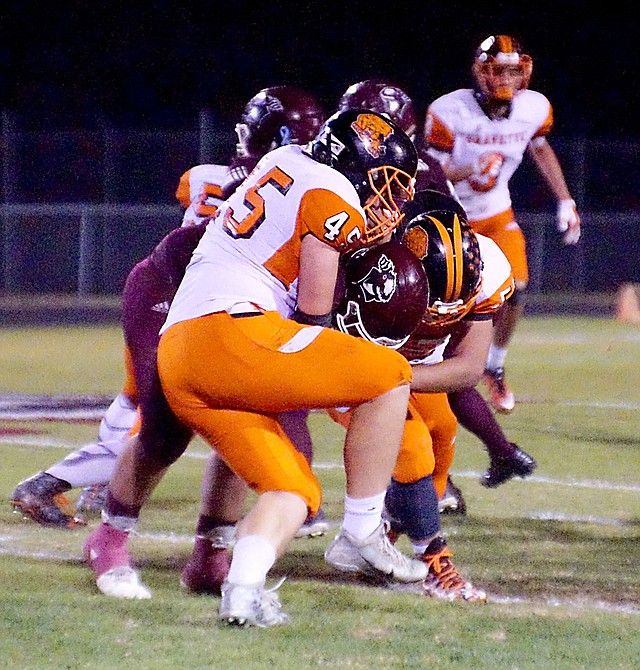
{"x":502,"y":399}
{"x":373,"y":556}
{"x":105,"y":550}
{"x":501,"y":470}
{"x":251,"y":605}
{"x":123,"y":582}
{"x":452,"y":501}
{"x":443,"y":580}
{"x":208,"y":565}
{"x":42,"y":499}
{"x":92,"y":499}
{"x":314,"y":526}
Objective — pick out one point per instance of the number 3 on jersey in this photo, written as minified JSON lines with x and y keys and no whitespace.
{"x":254,"y":202}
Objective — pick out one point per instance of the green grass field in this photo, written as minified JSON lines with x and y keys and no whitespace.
{"x":558,"y":553}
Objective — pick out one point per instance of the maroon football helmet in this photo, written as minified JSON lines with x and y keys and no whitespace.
{"x":276,"y":116}
{"x":386,"y":293}
{"x":382,"y":97}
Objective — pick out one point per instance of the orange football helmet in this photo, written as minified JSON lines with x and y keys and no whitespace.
{"x":500,"y":68}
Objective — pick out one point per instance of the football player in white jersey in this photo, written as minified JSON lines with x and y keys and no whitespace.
{"x":469,"y":279}
{"x":472,"y":411}
{"x":275,"y":116}
{"x":480,"y":135}
{"x":246,"y":338}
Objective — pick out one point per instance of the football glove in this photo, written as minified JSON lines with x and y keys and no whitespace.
{"x":486,"y":171}
{"x":568,"y":221}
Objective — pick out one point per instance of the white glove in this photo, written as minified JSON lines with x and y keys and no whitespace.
{"x":485,"y":171}
{"x":568,"y":221}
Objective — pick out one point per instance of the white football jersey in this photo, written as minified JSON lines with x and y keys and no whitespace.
{"x":459,"y":133}
{"x":249,"y":255}
{"x":201,"y":191}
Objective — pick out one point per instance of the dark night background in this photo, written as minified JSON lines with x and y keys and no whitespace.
{"x":157,"y":64}
{"x":108,"y":72}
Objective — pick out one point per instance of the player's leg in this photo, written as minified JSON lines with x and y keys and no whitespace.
{"x":42,"y":498}
{"x":419,"y":482}
{"x":507,"y":460}
{"x":296,"y":427}
{"x":299,"y":367}
{"x":506,"y":233}
{"x":222,"y":499}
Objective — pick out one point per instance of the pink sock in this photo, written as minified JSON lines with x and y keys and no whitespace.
{"x":106,"y":548}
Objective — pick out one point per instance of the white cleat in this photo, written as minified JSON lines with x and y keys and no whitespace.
{"x":251,"y":605}
{"x":123,"y":582}
{"x":373,"y":556}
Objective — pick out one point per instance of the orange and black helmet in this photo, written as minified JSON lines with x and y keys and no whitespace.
{"x":439,"y":234}
{"x":500,"y":68}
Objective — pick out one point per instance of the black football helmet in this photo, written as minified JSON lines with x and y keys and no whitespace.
{"x":437,"y":232}
{"x":377,"y":157}
{"x":385,"y":294}
{"x":500,"y":68}
{"x":384,"y":98}
{"x":276,"y":116}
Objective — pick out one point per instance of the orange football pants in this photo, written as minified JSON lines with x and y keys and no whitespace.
{"x":506,"y":233}
{"x":428,"y":441}
{"x":227,"y":377}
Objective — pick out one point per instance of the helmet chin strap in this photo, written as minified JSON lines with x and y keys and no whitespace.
{"x":494,"y":109}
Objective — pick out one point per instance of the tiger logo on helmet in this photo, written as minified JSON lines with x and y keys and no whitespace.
{"x":372,"y":130}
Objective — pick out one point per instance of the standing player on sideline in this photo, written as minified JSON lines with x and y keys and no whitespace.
{"x":230,"y":357}
{"x":479,"y":136}
{"x":273,"y":117}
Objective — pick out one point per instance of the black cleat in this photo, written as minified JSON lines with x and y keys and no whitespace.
{"x":501,"y":470}
{"x":452,"y":501}
{"x":42,"y":499}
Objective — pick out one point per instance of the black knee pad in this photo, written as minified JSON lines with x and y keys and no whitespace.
{"x":413,"y":508}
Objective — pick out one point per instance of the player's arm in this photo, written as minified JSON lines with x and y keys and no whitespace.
{"x":464,"y":368}
{"x":439,"y":141}
{"x":548,"y":165}
{"x":317,"y":278}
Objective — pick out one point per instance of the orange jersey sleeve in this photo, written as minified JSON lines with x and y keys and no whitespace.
{"x":545,"y":128}
{"x":436,"y":134}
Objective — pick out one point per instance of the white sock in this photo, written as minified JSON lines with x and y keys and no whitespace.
{"x":253,"y":556}
{"x":118,"y":419}
{"x":495,"y":357}
{"x":363,"y":515}
{"x":92,"y":464}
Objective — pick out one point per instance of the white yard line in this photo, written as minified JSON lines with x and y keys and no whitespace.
{"x":8,"y":548}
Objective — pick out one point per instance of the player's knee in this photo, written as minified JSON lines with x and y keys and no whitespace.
{"x":163,"y":437}
{"x":414,"y":508}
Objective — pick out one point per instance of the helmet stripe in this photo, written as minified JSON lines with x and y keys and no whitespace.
{"x":505,"y":44}
{"x":458,"y":256}
{"x":449,"y":257}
